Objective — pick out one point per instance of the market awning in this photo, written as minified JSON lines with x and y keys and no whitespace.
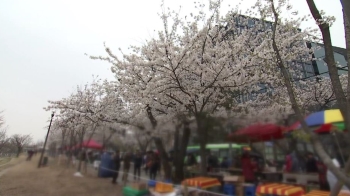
{"x":322,"y":121}
{"x":258,"y":133}
{"x":89,"y":144}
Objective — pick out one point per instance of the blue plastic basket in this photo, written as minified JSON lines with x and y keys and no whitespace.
{"x":230,"y":189}
{"x":249,"y":190}
{"x":152,"y":183}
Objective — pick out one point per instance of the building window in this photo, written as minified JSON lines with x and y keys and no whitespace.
{"x":308,"y":70}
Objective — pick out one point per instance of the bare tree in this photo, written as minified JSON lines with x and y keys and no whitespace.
{"x":3,"y":129}
{"x":3,"y":138}
{"x":2,"y":120}
{"x":20,"y":141}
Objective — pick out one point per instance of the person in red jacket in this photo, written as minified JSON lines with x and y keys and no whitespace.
{"x":288,"y":164}
{"x":322,"y":176}
{"x":248,"y":168}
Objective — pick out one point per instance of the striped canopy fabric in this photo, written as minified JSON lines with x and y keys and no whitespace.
{"x":202,"y":182}
{"x":325,"y":121}
{"x":324,"y":117}
{"x":279,"y":189}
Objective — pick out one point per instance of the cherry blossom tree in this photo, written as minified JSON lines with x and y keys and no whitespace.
{"x":142,"y":140}
{"x":324,"y":23}
{"x":318,"y":93}
{"x":97,"y":102}
{"x":190,"y":67}
{"x":279,"y":52}
{"x":274,"y":107}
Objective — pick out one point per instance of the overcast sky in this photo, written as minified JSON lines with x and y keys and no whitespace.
{"x":42,"y":46}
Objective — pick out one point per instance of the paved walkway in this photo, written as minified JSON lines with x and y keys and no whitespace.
{"x":26,"y":179}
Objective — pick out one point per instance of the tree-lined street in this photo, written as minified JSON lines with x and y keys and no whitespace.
{"x":205,"y":75}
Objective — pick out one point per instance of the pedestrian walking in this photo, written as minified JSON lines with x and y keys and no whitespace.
{"x":126,"y":167}
{"x":116,"y":160}
{"x":145,"y":162}
{"x":137,"y":165}
{"x":154,"y":166}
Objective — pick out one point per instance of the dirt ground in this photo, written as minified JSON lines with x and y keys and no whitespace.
{"x":25,"y":179}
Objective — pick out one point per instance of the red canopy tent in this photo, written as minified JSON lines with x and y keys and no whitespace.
{"x":258,"y":133}
{"x":89,"y":144}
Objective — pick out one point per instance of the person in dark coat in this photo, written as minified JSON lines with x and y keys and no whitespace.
{"x":311,"y":164}
{"x":137,"y":165}
{"x":225,"y":164}
{"x":126,"y":166}
{"x":116,"y":160}
{"x":191,"y":160}
{"x":154,"y":165}
{"x":213,"y":162}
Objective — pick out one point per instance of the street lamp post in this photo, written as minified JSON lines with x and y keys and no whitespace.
{"x":47,"y":135}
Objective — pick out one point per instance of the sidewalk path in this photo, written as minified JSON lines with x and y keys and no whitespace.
{"x":26,"y":179}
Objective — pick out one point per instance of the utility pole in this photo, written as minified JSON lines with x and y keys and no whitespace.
{"x":47,"y":135}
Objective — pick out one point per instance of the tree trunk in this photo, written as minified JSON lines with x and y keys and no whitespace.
{"x":176,"y":140}
{"x":80,"y":154}
{"x":106,"y":140}
{"x":143,"y":145}
{"x":347,"y":43}
{"x":333,"y":72}
{"x":346,"y":8}
{"x":339,"y":184}
{"x":331,"y":64}
{"x":179,"y":164}
{"x":62,"y":144}
{"x":19,"y":150}
{"x":202,"y":136}
{"x":176,"y":151}
{"x":63,"y":138}
{"x":164,"y":158}
{"x":314,"y":138}
{"x":159,"y":144}
{"x":71,"y":142}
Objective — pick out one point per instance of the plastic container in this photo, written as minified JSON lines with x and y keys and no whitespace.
{"x":128,"y":191}
{"x":106,"y":166}
{"x":229,"y":189}
{"x":249,"y":190}
{"x":152,"y":183}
